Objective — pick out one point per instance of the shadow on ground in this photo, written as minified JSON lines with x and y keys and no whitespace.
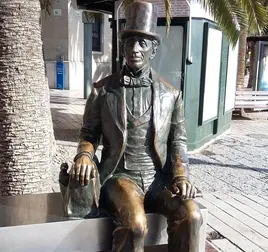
{"x":237,"y":117}
{"x":202,"y":162}
{"x":69,"y":135}
{"x":67,"y":100}
{"x":250,"y":115}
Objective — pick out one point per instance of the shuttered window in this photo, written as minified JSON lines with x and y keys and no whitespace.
{"x":97,"y":33}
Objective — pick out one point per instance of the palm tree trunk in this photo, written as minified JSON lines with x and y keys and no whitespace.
{"x":26,"y":132}
{"x":252,"y":64}
{"x":241,"y":60}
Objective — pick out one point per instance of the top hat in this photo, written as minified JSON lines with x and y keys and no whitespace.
{"x":141,"y":19}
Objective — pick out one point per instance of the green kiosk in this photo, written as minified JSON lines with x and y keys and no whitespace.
{"x":195,"y":57}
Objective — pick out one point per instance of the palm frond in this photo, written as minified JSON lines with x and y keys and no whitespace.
{"x":126,"y":3}
{"x":236,"y":16}
{"x":232,"y":16}
{"x":239,"y":15}
{"x":257,"y":14}
{"x":222,"y":11}
{"x":168,"y":15}
{"x":46,"y":5}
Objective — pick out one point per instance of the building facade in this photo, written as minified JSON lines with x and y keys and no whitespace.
{"x":63,"y":39}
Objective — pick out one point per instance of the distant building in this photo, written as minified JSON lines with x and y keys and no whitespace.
{"x":63,"y":38}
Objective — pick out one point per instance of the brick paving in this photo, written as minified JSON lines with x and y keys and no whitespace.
{"x":235,"y":165}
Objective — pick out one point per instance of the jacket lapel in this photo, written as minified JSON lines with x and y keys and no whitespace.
{"x":156,"y":100}
{"x":116,"y":100}
{"x":156,"y":110}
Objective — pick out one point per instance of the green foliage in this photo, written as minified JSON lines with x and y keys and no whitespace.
{"x":227,"y":14}
{"x":256,"y":13}
{"x":232,"y":16}
{"x":236,"y":16}
{"x":168,"y":14}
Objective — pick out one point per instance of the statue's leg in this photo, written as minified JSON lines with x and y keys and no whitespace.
{"x":123,"y":200}
{"x":183,"y":216}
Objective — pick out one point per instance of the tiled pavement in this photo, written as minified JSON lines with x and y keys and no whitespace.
{"x":232,"y":172}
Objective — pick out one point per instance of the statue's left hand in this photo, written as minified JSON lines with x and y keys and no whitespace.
{"x":183,"y":188}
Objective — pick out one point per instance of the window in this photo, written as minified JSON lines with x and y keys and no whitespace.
{"x":97,"y":31}
{"x":168,"y":60}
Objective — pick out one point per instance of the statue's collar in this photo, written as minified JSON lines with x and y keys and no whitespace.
{"x":143,"y":73}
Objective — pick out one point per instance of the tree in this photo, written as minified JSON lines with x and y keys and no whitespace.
{"x":26,"y":132}
{"x":237,"y":18}
{"x":241,"y":60}
{"x":46,"y":5}
{"x":232,"y":16}
{"x":253,"y":54}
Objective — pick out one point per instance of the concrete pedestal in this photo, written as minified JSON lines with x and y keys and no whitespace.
{"x":33,"y":223}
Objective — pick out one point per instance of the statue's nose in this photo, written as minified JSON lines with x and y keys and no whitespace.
{"x":136,"y":47}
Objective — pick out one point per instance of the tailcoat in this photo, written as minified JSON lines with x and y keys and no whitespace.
{"x":106,"y":116}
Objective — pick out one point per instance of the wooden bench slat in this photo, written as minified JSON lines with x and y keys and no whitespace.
{"x":252,"y":92}
{"x":251,"y":107}
{"x":244,"y":236}
{"x":259,"y":98}
{"x":257,"y":103}
{"x":252,"y":102}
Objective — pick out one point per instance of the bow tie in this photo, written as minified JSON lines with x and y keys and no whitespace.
{"x":136,"y":82}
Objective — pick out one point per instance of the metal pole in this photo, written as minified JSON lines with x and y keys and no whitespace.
{"x":115,"y":42}
{"x":190,"y":58}
{"x":87,"y":57}
{"x":117,"y":29}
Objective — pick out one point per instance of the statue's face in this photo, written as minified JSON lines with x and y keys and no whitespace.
{"x":137,"y":52}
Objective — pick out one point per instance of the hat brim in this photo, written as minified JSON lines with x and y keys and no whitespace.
{"x":149,"y":35}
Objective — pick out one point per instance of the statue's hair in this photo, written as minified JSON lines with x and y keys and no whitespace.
{"x":155,"y":45}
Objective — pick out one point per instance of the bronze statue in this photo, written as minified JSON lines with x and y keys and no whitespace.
{"x":144,"y":166}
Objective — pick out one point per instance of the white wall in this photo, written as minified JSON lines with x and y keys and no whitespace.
{"x":55,"y":31}
{"x":64,"y":35}
{"x":51,"y":73}
{"x":198,"y":11}
{"x":75,"y":63}
{"x":102,"y":65}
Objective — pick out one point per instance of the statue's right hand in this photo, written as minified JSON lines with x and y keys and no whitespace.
{"x":84,"y":169}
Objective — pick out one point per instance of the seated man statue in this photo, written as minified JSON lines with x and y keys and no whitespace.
{"x":144,"y":166}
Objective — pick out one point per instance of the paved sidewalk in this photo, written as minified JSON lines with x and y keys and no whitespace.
{"x":67,"y":108}
{"x":232,"y":172}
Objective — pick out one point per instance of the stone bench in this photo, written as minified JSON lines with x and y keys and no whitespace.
{"x":33,"y":223}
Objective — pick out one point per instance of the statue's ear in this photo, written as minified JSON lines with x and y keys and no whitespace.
{"x":121,"y":48}
{"x":153,"y":54}
{"x":154,"y":49}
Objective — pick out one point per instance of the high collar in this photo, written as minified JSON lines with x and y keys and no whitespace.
{"x":145,"y":72}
